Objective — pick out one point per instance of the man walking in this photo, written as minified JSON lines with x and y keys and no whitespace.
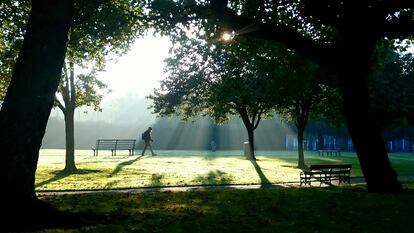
{"x":147,"y":137}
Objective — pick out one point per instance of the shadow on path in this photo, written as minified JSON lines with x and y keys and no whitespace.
{"x":216,"y":177}
{"x":61,"y":174}
{"x":123,"y":164}
{"x":263,"y":178}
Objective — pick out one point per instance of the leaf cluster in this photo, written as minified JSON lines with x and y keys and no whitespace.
{"x":392,"y":87}
{"x":207,"y":77}
{"x":101,"y":28}
{"x":88,"y":91}
{"x":13,"y":18}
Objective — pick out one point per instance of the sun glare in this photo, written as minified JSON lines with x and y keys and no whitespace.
{"x":227,"y":36}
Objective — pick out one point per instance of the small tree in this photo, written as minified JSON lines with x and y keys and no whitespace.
{"x":217,"y":80}
{"x":82,"y":91}
{"x":305,"y":93}
{"x":100,"y":28}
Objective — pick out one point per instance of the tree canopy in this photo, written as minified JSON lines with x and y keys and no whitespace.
{"x":100,"y":28}
{"x":392,"y":87}
{"x":339,"y":35}
{"x":13,"y":18}
{"x":208,"y":77}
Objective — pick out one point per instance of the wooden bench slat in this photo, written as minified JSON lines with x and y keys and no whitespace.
{"x":336,"y":151}
{"x":114,"y":145}
{"x":325,"y":173}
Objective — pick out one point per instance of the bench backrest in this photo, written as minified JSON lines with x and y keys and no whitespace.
{"x":330,"y":167}
{"x":116,"y":144}
{"x":331,"y":148}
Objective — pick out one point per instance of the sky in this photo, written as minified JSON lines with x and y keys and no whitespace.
{"x":139,"y":71}
{"x":131,"y":77}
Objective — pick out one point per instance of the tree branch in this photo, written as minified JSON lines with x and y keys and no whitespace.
{"x":71,"y":83}
{"x":319,"y":53}
{"x":259,"y":117}
{"x":60,"y":105}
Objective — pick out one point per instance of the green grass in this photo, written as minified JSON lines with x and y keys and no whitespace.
{"x":183,"y":168}
{"x":332,"y":209}
{"x":345,"y":209}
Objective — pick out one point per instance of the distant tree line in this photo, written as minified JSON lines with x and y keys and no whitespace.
{"x":174,"y":134}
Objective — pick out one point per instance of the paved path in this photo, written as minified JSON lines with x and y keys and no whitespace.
{"x":355,"y":180}
{"x":171,"y":189}
{"x":182,"y":188}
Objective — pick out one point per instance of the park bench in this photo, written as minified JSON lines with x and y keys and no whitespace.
{"x":326,"y":173}
{"x":329,"y":152}
{"x":113,"y":145}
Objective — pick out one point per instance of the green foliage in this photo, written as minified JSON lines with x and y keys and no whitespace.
{"x":283,"y":81}
{"x":392,"y":87}
{"x":308,"y":92}
{"x":209,"y":77}
{"x":13,"y":17}
{"x":86,"y":90}
{"x":100,"y":28}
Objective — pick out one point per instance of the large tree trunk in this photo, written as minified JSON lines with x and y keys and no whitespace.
{"x":366,"y":137}
{"x":27,"y":106}
{"x":353,"y":72}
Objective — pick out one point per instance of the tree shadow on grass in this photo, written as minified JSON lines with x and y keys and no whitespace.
{"x":44,"y":216}
{"x":216,"y":177}
{"x":62,"y":174}
{"x":156,"y":180}
{"x":263,"y":179}
{"x":120,"y":166}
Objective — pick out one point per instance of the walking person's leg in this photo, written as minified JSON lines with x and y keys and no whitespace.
{"x":145,"y":147}
{"x":150,"y":146}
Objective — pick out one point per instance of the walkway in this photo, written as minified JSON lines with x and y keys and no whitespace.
{"x":186,"y":188}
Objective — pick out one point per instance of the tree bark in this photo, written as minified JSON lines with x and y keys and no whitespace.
{"x":69,"y":96}
{"x":366,"y":137}
{"x":28,"y":103}
{"x":353,"y":72}
{"x":250,"y":127}
{"x":250,"y":133}
{"x":70,"y":165}
{"x":301,"y":156}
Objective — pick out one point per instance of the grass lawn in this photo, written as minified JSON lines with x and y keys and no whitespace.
{"x":183,"y":168}
{"x":348,"y":208}
{"x":324,"y":210}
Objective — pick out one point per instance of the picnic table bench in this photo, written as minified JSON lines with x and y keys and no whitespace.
{"x":326,"y":173}
{"x":114,"y":145}
{"x":330,"y":152}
